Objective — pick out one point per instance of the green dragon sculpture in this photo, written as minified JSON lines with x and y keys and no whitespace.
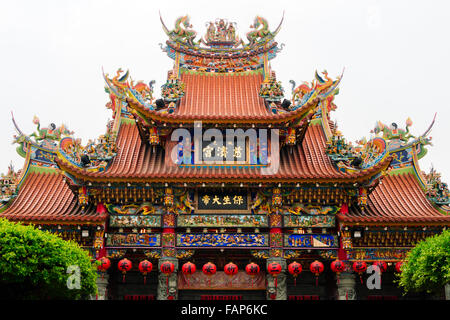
{"x":258,"y":34}
{"x":183,"y":31}
{"x":393,"y":132}
{"x":51,"y":133}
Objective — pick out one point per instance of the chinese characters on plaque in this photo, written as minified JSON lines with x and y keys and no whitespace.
{"x":210,"y":200}
{"x":228,"y":151}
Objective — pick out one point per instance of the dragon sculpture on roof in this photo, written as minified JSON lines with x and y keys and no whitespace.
{"x":220,"y":31}
{"x":392,"y":132}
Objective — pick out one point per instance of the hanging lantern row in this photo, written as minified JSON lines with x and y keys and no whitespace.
{"x":360,"y":267}
{"x":252,"y":269}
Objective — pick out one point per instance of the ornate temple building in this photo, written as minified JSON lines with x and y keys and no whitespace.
{"x":229,"y":174}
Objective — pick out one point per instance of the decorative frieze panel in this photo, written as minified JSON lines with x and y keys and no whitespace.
{"x":298,"y":208}
{"x":42,"y":155}
{"x":134,"y":209}
{"x":311,"y":240}
{"x":323,"y":221}
{"x":133,"y":240}
{"x":325,"y":254}
{"x":392,"y":237}
{"x":394,"y":254}
{"x":134,"y":221}
{"x":222,"y":240}
{"x":234,"y":220}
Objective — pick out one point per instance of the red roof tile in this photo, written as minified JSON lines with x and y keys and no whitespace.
{"x":224,"y":97}
{"x":136,"y":160}
{"x":398,"y":199}
{"x":211,"y":96}
{"x":47,"y":197}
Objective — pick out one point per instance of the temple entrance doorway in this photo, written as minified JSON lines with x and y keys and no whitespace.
{"x":221,"y":286}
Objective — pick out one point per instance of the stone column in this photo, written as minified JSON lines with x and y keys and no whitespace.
{"x":169,"y":292}
{"x":102,"y":285}
{"x":346,"y":287}
{"x":447,"y":291}
{"x":278,"y":292}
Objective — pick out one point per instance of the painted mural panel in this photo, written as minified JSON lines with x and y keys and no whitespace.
{"x":134,"y":209}
{"x":134,"y":221}
{"x":377,"y":254}
{"x":222,"y":240}
{"x":300,"y":208}
{"x":208,"y":220}
{"x":311,"y":240}
{"x":133,"y":240}
{"x":324,"y":221}
{"x":401,"y":157}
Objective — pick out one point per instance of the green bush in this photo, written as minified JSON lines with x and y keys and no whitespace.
{"x":34,"y":264}
{"x":427,"y":266}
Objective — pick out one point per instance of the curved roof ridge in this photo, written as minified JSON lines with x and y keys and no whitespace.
{"x":398,"y":199}
{"x":45,"y":196}
{"x":295,"y":169}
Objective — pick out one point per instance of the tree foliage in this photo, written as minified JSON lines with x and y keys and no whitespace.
{"x":427,"y":266}
{"x":34,"y":265}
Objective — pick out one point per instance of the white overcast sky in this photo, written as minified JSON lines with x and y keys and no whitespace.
{"x":395,"y":53}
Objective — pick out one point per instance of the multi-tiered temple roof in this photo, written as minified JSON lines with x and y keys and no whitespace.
{"x":224,"y":82}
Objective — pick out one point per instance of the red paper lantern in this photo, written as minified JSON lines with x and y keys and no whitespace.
{"x":124,"y":265}
{"x":188,"y":269}
{"x":105,"y":263}
{"x":360,"y":267}
{"x":252,"y":269}
{"x":295,"y":269}
{"x":145,"y":267}
{"x":337,"y":266}
{"x":274,"y":268}
{"x":209,"y":269}
{"x":167,"y":268}
{"x":398,"y":266}
{"x":381,"y":265}
{"x":230,"y":269}
{"x":316,"y":267}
